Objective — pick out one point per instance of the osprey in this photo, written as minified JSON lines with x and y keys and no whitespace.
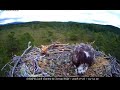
{"x":82,"y":57}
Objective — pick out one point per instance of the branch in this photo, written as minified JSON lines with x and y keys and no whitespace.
{"x":20,"y":58}
{"x":5,"y":65}
{"x":92,"y":43}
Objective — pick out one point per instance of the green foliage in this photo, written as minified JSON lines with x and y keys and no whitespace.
{"x":73,"y":37}
{"x":14,"y":38}
{"x":24,"y":39}
{"x":12,"y":44}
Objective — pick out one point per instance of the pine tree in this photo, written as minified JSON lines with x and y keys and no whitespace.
{"x":12,"y":44}
{"x":24,"y":39}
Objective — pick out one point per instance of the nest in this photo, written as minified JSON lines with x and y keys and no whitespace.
{"x":55,"y":61}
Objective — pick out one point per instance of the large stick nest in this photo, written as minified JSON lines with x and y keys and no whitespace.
{"x":55,"y":61}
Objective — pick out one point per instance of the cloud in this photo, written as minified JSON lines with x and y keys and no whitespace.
{"x":106,"y":17}
{"x":7,"y":20}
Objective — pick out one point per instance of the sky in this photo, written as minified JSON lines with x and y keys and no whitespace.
{"x":104,"y":17}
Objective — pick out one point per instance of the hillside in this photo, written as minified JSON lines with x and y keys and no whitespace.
{"x":14,"y":37}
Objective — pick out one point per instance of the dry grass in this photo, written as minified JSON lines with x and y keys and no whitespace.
{"x":98,"y":68}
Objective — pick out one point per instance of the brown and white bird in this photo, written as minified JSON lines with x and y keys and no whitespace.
{"x":82,"y":57}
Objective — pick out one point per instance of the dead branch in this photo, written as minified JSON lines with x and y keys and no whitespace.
{"x":60,"y":44}
{"x":6,"y":65}
{"x":20,"y":59}
{"x":92,"y":42}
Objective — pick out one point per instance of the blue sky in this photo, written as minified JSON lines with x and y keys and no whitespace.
{"x":105,"y":17}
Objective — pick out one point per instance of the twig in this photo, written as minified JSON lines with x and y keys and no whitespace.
{"x":6,"y":65}
{"x":92,"y":42}
{"x":15,"y":67}
{"x":20,"y":59}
